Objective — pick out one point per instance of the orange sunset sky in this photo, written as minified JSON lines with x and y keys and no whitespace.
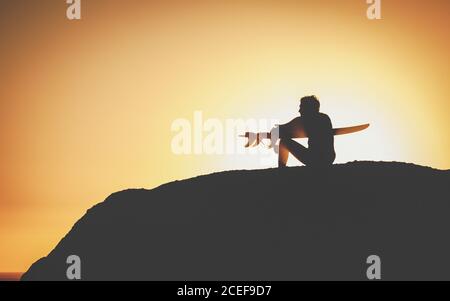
{"x":86,"y":107}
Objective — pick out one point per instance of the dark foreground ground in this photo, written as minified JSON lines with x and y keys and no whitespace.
{"x":290,"y":224}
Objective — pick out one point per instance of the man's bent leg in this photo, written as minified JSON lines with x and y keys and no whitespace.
{"x":283,"y":154}
{"x":290,"y":146}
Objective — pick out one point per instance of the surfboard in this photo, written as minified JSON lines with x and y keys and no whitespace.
{"x":255,"y":138}
{"x":350,"y":129}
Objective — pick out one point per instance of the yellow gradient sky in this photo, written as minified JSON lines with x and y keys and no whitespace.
{"x":86,"y":106}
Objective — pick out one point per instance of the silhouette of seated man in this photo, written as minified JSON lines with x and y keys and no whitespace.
{"x":317,"y":126}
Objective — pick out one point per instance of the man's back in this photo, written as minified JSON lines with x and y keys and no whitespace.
{"x":319,"y":129}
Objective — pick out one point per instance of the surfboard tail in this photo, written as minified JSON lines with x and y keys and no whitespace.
{"x":253,"y":139}
{"x":351,"y":129}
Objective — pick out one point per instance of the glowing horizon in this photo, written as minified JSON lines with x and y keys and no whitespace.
{"x":87,"y":106}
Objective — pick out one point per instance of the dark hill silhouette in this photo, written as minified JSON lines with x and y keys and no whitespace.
{"x":275,"y":224}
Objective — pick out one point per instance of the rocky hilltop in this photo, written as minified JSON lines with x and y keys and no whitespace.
{"x":275,"y":224}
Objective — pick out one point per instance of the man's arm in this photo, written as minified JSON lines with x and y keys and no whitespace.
{"x":288,"y":130}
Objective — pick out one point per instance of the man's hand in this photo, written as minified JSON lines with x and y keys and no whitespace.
{"x":274,"y":136}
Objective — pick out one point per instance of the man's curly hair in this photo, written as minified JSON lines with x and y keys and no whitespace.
{"x":310,"y":103}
